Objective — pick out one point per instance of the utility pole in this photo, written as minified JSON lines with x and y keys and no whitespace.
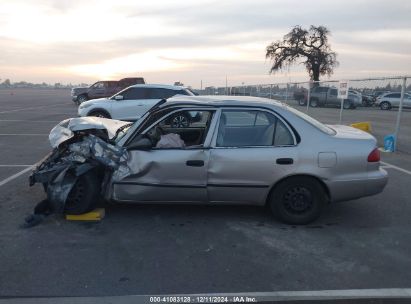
{"x":226,"y":88}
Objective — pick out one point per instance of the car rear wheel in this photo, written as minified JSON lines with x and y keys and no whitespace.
{"x":84,"y":195}
{"x":314,"y":102}
{"x":298,"y":200}
{"x":101,"y":114}
{"x":301,"y":102}
{"x":385,"y":105}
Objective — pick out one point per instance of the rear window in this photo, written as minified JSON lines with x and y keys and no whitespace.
{"x":322,"y":127}
{"x":135,"y":93}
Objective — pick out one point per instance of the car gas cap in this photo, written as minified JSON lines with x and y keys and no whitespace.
{"x":327,"y":159}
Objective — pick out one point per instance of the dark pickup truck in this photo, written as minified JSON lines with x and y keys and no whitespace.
{"x":103,"y":89}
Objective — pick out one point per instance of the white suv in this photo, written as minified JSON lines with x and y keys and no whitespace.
{"x":130,"y":103}
{"x":389,"y":100}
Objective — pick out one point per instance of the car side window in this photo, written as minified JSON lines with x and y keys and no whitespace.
{"x":135,"y":93}
{"x":240,"y":128}
{"x":181,"y":129}
{"x":334,"y":92}
{"x":161,"y":93}
{"x":98,"y":85}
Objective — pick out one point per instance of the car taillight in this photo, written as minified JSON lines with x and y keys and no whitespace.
{"x":374,"y":156}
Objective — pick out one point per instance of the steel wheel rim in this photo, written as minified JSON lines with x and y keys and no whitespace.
{"x":298,"y":200}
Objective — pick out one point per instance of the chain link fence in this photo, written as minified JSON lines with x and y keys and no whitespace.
{"x":384,"y":103}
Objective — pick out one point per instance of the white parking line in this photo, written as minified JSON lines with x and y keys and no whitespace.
{"x":31,"y":108}
{"x":14,"y":176}
{"x":26,"y":120}
{"x":25,"y":134}
{"x":387,"y":165}
{"x":12,"y":166}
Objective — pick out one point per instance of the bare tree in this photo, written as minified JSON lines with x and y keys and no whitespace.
{"x":309,"y":45}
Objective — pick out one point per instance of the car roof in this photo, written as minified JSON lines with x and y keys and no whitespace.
{"x":223,"y":101}
{"x":158,"y":86}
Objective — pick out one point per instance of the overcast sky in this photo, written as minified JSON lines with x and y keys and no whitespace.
{"x":189,"y":41}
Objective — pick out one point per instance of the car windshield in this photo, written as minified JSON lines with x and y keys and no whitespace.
{"x":322,"y":127}
{"x":122,"y":131}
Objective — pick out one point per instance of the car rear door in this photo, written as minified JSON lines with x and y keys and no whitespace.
{"x":251,"y":150}
{"x":332,"y":97}
{"x":132,"y":106}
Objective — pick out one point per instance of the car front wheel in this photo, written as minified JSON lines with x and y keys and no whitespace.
{"x":84,"y":195}
{"x":81,"y":99}
{"x":298,"y":200}
{"x":385,"y":105}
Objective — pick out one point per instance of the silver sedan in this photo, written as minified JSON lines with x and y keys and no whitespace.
{"x":232,"y":150}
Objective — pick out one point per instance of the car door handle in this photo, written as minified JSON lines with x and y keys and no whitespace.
{"x":195,"y":163}
{"x":284,"y":161}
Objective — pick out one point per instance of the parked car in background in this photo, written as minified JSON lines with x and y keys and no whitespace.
{"x":244,"y":151}
{"x":300,"y":94}
{"x":103,"y":89}
{"x":328,"y":96}
{"x":367,"y":100}
{"x":389,"y":100}
{"x":132,"y":102}
{"x":379,"y":92}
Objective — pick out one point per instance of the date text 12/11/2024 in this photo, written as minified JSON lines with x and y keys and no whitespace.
{"x":202,"y":299}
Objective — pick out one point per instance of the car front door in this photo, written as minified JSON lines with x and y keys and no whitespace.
{"x":169,"y":172}
{"x":97,"y":90}
{"x":251,"y":150}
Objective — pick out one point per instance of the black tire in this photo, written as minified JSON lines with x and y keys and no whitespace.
{"x":180,"y":121}
{"x":81,"y":98}
{"x":314,"y":103}
{"x":99,"y":113}
{"x":298,"y":200}
{"x":385,"y":105}
{"x":84,"y":195}
{"x":302,"y":102}
{"x":347,"y":104}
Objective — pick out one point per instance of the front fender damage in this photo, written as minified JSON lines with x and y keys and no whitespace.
{"x":73,"y":157}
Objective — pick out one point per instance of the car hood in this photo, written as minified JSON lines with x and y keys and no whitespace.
{"x":66,"y":128}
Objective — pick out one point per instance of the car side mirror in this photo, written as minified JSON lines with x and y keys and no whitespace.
{"x":140,"y":144}
{"x":118,"y":97}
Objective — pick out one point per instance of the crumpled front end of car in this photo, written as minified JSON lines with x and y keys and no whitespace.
{"x":77,"y":151}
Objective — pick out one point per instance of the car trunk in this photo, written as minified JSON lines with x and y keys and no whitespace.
{"x":348,"y":132}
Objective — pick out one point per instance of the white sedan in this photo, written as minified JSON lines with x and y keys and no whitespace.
{"x":132,"y":102}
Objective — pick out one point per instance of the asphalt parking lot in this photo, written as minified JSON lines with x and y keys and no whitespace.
{"x":146,"y":249}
